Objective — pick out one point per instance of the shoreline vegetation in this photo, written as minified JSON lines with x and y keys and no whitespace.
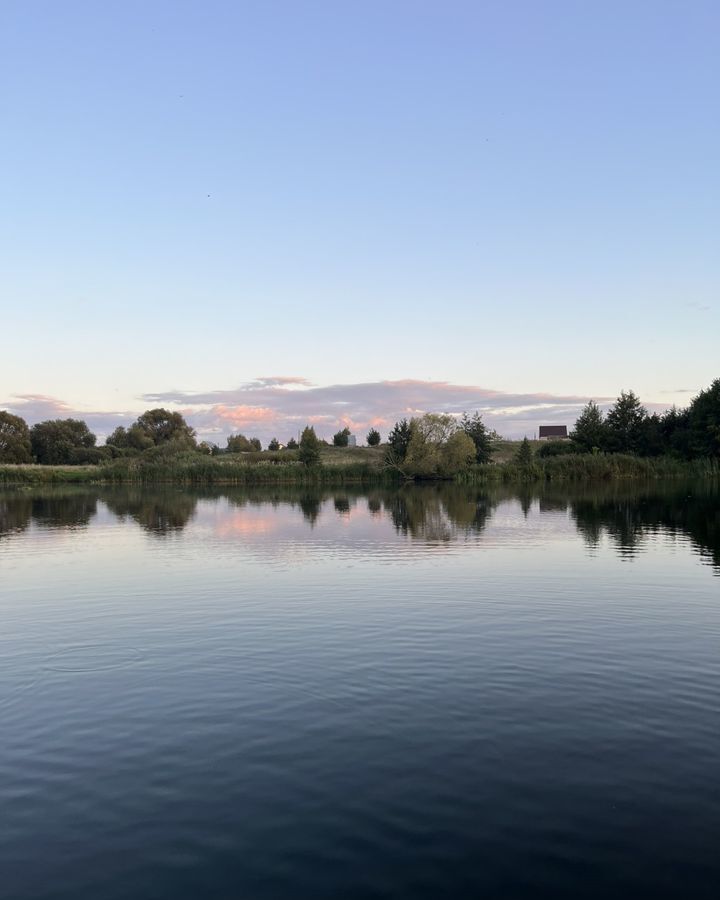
{"x":570,"y":468}
{"x":160,"y":447}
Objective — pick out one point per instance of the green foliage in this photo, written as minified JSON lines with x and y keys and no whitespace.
{"x":62,"y":442}
{"x":162,"y":427}
{"x":133,"y":439}
{"x":590,"y":467}
{"x":437,"y":448}
{"x":340,"y":438}
{"x":274,"y":444}
{"x":556,"y":448}
{"x":524,"y":455}
{"x":589,"y":431}
{"x":484,"y":438}
{"x":704,"y":422}
{"x":625,"y":424}
{"x":309,"y":452}
{"x":675,"y":433}
{"x":15,"y":444}
{"x":373,"y":437}
{"x":292,"y":444}
{"x":119,"y":438}
{"x":208,"y":448}
{"x":238,"y":443}
{"x":456,"y":454}
{"x":398,"y":441}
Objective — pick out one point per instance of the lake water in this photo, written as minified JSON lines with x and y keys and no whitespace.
{"x":433,"y":692}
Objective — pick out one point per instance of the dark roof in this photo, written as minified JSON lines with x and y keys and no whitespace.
{"x":553,"y":431}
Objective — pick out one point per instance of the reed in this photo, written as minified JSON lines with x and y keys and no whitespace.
{"x":193,"y":469}
{"x":589,"y":467}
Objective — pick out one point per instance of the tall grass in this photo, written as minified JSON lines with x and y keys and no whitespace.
{"x":204,"y":471}
{"x":194,"y":469}
{"x":32,"y":474}
{"x":588,"y":467}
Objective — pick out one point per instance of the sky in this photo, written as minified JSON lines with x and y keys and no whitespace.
{"x":270,"y":213}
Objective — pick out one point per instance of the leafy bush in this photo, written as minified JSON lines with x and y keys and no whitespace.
{"x":556,"y":448}
{"x":340,"y":439}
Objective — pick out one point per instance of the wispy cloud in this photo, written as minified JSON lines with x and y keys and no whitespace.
{"x":697,"y":306}
{"x":40,"y":407}
{"x":279,"y":406}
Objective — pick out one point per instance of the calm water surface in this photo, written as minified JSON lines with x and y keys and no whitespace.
{"x":434,"y":692}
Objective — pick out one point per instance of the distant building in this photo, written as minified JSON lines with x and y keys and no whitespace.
{"x":553,"y":433}
{"x":352,"y":440}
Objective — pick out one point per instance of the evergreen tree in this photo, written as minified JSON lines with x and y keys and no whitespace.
{"x":524,"y":454}
{"x":589,"y":431}
{"x":274,"y":444}
{"x":625,"y":424}
{"x":399,"y":440}
{"x":704,"y":422}
{"x":373,"y":437}
{"x":482,"y":437}
{"x":309,"y":447}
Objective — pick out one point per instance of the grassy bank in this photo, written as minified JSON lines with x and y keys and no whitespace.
{"x":586,"y":467}
{"x":360,"y":466}
{"x":198,"y":471}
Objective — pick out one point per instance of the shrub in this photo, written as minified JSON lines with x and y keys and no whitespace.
{"x":340,"y":439}
{"x":556,"y":448}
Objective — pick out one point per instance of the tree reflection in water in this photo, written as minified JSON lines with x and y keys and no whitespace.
{"x":160,"y":512}
{"x":628,"y":514}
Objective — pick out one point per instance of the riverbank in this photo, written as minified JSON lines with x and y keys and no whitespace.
{"x":202,"y":470}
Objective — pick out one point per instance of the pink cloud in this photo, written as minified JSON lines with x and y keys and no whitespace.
{"x":279,"y":406}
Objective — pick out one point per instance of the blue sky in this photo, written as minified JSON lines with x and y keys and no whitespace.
{"x":512,"y":197}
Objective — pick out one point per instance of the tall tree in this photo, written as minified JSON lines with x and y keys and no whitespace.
{"x":399,"y":439}
{"x":704,"y":422}
{"x":373,"y":437}
{"x":309,"y":447}
{"x":238,"y":443}
{"x":437,"y":448}
{"x":340,"y":439}
{"x":484,"y":438}
{"x":14,"y":439}
{"x":61,"y":441}
{"x":589,"y":432}
{"x":163,"y":427}
{"x":524,"y":453}
{"x":625,"y":423}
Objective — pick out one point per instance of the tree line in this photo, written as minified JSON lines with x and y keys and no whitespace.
{"x":433,"y":445}
{"x":157,"y":432}
{"x":691,"y":433}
